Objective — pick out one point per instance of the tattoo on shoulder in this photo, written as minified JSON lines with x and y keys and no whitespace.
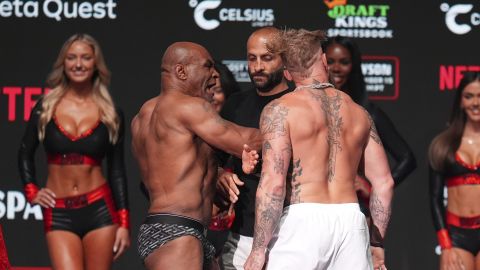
{"x":273,"y":120}
{"x":331,"y":108}
{"x":373,"y":130}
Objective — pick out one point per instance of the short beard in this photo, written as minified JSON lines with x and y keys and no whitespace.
{"x":273,"y":79}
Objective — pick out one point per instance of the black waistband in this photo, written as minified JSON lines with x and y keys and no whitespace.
{"x":176,"y":220}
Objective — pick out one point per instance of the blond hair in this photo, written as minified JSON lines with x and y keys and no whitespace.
{"x":299,"y":49}
{"x":58,"y":82}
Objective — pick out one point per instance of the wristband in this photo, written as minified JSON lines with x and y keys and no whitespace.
{"x":31,"y":191}
{"x":444,"y":239}
{"x":376,"y":244}
{"x":123,"y":218}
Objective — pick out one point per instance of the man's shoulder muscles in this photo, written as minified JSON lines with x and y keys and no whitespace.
{"x":273,"y":121}
{"x":198,"y":112}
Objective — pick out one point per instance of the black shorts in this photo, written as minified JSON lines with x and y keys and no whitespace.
{"x":468,"y":239}
{"x":464,"y":232}
{"x":159,"y":229}
{"x":83,"y":213}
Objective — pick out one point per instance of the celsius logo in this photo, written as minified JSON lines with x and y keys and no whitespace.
{"x":257,"y":17}
{"x":451,"y":14}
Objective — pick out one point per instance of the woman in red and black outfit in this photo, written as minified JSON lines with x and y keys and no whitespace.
{"x":454,"y":157}
{"x":85,"y":216}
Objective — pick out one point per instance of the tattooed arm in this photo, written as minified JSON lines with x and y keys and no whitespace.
{"x":377,"y":170}
{"x":271,"y":190}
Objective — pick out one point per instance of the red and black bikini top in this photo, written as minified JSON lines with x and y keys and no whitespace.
{"x":462,"y":173}
{"x":66,"y":149}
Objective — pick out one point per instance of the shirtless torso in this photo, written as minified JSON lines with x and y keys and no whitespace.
{"x":173,"y":137}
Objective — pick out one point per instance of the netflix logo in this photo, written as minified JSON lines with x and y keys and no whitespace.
{"x":20,"y":100}
{"x":451,"y":75}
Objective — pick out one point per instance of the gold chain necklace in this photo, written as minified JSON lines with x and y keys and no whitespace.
{"x":315,"y":86}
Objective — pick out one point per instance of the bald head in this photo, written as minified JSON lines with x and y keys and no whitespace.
{"x":188,"y":67}
{"x":182,"y":53}
{"x":265,"y":35}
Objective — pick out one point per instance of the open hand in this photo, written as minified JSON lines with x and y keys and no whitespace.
{"x":122,"y":242}
{"x":228,"y":184}
{"x":45,"y":198}
{"x":378,"y":258}
{"x":450,"y":260}
{"x":249,"y":159}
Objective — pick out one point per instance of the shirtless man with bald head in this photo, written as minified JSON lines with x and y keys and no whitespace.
{"x":172,"y":140}
{"x":308,"y":217}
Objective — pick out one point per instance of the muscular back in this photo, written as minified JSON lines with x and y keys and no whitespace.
{"x":328,"y":133}
{"x":176,"y":165}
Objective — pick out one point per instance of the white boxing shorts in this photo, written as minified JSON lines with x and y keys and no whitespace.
{"x":321,"y":236}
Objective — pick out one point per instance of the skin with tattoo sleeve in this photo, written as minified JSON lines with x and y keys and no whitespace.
{"x":314,"y":141}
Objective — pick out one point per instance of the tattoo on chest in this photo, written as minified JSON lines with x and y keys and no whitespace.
{"x":331,"y":108}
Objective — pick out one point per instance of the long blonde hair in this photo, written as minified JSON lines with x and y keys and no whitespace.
{"x":58,"y":82}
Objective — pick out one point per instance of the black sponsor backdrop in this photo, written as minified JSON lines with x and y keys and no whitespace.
{"x":133,"y":44}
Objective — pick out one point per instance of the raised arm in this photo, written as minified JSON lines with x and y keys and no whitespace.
{"x":204,"y":121}
{"x":276,"y":153}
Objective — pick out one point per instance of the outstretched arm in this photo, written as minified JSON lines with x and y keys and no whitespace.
{"x":204,"y":121}
{"x":276,"y":154}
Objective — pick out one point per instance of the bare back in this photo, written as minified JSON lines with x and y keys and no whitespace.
{"x":327,"y":132}
{"x":177,"y":166}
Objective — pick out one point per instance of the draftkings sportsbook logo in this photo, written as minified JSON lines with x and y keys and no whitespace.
{"x":358,"y":21}
{"x":459,"y":18}
{"x":207,"y":16}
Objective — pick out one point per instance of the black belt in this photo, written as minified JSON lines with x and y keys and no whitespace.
{"x":176,"y":220}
